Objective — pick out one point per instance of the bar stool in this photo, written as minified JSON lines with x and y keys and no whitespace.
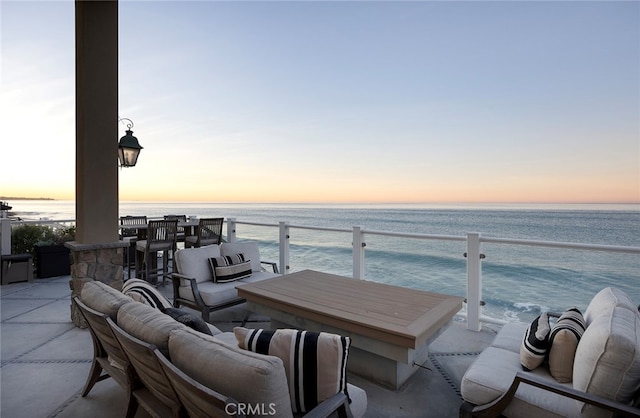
{"x":161,"y":238}
{"x":132,"y":235}
{"x":208,"y":231}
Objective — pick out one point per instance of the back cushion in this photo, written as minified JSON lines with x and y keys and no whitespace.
{"x":103,"y":298}
{"x":249,"y":378}
{"x":604,"y":300}
{"x":194,"y":262}
{"x":249,"y":249}
{"x":148,"y":324}
{"x":607,"y":361}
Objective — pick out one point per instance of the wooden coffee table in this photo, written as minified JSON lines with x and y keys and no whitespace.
{"x":390,"y":327}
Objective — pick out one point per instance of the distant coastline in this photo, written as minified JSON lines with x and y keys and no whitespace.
{"x":24,"y":198}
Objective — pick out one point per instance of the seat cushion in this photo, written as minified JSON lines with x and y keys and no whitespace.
{"x":217,"y":293}
{"x":492,"y":373}
{"x":604,"y":300}
{"x":249,"y":249}
{"x":143,"y":292}
{"x":248,"y":377}
{"x":148,"y":324}
{"x":315,"y":363}
{"x":103,"y":298}
{"x":607,"y":361}
{"x":194,"y":262}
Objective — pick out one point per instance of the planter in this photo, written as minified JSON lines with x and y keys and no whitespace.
{"x":52,"y":261}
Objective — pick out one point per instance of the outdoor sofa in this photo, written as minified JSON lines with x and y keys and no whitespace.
{"x":254,"y":383}
{"x":600,"y":370}
{"x":194,"y":283}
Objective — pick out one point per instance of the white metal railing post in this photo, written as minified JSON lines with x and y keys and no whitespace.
{"x":358,"y":253}
{"x":5,"y":236}
{"x":231,"y":230}
{"x":284,"y":247}
{"x":474,"y":281}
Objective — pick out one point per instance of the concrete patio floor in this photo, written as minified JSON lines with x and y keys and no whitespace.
{"x":45,"y":361}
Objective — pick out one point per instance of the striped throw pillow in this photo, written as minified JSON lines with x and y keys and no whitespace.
{"x":563,"y":340}
{"x":315,"y":363}
{"x":535,"y":343}
{"x":143,"y":292}
{"x":228,"y":268}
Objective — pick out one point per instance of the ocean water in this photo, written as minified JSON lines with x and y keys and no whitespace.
{"x":518,"y":281}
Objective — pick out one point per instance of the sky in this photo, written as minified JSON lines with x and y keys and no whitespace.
{"x":339,"y":101}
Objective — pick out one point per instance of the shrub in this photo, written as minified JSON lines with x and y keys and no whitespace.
{"x":25,"y":237}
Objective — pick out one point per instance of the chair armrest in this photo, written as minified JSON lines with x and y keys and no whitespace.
{"x":338,"y":403}
{"x":273,"y":265}
{"x":496,"y":407}
{"x":176,"y":279}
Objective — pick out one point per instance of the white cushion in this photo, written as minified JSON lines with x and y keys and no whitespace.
{"x":194,"y":262}
{"x":103,"y":298}
{"x":510,"y":336}
{"x":250,"y":250}
{"x":492,"y":373}
{"x":147,"y":324}
{"x":604,"y":300}
{"x":607,"y":361}
{"x":216,"y":293}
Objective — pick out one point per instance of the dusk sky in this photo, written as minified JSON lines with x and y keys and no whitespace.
{"x":343,"y":101}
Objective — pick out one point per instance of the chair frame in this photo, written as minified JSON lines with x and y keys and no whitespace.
{"x":161,"y":237}
{"x":105,"y":348}
{"x":495,"y":408}
{"x":198,"y":400}
{"x":160,"y":399}
{"x":207,"y":227}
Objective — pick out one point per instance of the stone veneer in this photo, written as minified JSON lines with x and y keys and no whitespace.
{"x":103,"y":262}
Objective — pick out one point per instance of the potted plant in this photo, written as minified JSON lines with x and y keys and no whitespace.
{"x":46,"y":244}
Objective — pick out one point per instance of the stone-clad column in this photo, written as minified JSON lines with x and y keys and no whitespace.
{"x":89,"y":262}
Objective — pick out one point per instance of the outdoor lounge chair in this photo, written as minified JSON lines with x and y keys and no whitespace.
{"x":605,"y":372}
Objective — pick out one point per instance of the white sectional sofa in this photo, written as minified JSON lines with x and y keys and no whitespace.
{"x":215,"y":361}
{"x":193,"y":282}
{"x":606,"y":370}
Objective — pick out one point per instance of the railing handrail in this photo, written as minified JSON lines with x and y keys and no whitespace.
{"x":473,"y":241}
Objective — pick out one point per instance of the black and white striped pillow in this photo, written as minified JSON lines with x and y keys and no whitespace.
{"x":535,"y":343}
{"x":141,"y":291}
{"x":315,"y":363}
{"x":228,"y":268}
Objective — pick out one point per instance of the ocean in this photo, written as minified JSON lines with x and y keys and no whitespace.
{"x":518,"y":281}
